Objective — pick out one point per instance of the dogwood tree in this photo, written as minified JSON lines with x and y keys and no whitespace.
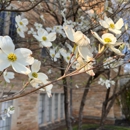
{"x":74,"y":41}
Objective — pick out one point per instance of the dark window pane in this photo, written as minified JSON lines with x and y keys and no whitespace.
{"x":2,"y":22}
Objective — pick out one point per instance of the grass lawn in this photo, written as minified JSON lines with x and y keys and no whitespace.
{"x":109,"y":127}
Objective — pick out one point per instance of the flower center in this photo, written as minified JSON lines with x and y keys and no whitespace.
{"x":20,"y":23}
{"x":19,"y":30}
{"x":68,"y":58}
{"x":53,"y":55}
{"x":44,"y":38}
{"x":112,"y":26}
{"x":12,"y":57}
{"x":34,"y":74}
{"x":107,"y":40}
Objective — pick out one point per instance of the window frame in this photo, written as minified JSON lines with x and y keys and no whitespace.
{"x":59,"y":117}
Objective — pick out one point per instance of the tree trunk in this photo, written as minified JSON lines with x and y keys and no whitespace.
{"x":66,"y":107}
{"x":83,"y":103}
{"x":107,"y":107}
{"x":71,"y":95}
{"x":66,"y":100}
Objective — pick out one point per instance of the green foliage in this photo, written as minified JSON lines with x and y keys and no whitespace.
{"x":85,"y":127}
{"x":126,"y":103}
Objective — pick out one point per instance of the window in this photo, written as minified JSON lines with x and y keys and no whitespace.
{"x":5,"y":124}
{"x":2,"y":23}
{"x":44,"y":52}
{"x":62,"y":106}
{"x":41,"y":108}
{"x":7,"y":24}
{"x":12,"y":28}
{"x":51,"y":109}
{"x":56,"y":107}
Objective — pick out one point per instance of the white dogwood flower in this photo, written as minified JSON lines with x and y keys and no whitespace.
{"x":58,"y":29}
{"x":77,"y":37}
{"x":42,"y":17}
{"x":18,"y":59}
{"x":44,"y":38}
{"x":8,"y":75}
{"x":39,"y":79}
{"x":108,"y":23}
{"x":101,"y":81}
{"x":55,"y":55}
{"x":109,"y":40}
{"x":66,"y":55}
{"x":10,"y":111}
{"x":47,"y":88}
{"x":36,"y":83}
{"x":31,"y":31}
{"x":21,"y":31}
{"x":38,"y":25}
{"x":7,"y":112}
{"x":21,"y":22}
{"x":106,"y":82}
{"x":69,"y":47}
{"x":85,"y":66}
{"x":21,"y":25}
{"x":81,"y":40}
{"x":35,"y":75}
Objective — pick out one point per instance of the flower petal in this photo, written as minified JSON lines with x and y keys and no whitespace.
{"x":20,"y":31}
{"x":37,"y":37}
{"x":19,"y":68}
{"x":24,"y":52}
{"x":115,"y":31}
{"x":103,"y":23}
{"x":85,"y":51}
{"x":4,"y":62}
{"x":4,"y":65}
{"x":10,"y":75}
{"x":97,"y":36}
{"x":6,"y":79}
{"x":48,"y":89}
{"x":108,"y":20}
{"x":80,"y":39}
{"x":69,"y":32}
{"x":119,"y":23}
{"x":51,"y":37}
{"x":42,"y":32}
{"x":78,"y":36}
{"x":24,"y":56}
{"x":88,"y":69}
{"x":46,"y":44}
{"x":107,"y":35}
{"x":36,"y":83}
{"x":119,"y":43}
{"x":18,"y":18}
{"x":43,"y":77}
{"x":111,"y":36}
{"x":117,"y":51}
{"x":36,"y":66}
{"x":7,"y":45}
{"x":25,"y":21}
